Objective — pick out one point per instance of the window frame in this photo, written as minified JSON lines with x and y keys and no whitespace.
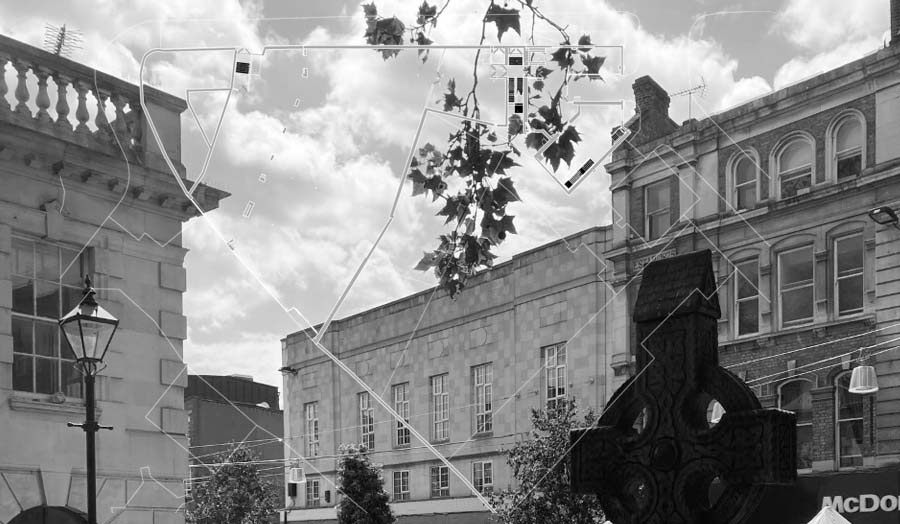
{"x":401,"y":406}
{"x":442,"y":397}
{"x":311,"y":423}
{"x":443,"y":482}
{"x":838,"y":420}
{"x":479,"y":466}
{"x":737,"y":299}
{"x":833,"y":155}
{"x":313,"y":488}
{"x":836,"y":278}
{"x":780,"y":174}
{"x":780,"y":289}
{"x":366,"y":413}
{"x":666,"y":211}
{"x":484,"y":405}
{"x":545,"y":361}
{"x":733,"y":162}
{"x":799,"y":424}
{"x":61,"y":350}
{"x":401,"y":494}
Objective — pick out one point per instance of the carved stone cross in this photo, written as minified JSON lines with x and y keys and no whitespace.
{"x":661,"y":473}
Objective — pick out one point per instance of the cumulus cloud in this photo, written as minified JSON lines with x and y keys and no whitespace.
{"x":821,"y":24}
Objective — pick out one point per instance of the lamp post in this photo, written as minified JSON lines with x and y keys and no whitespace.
{"x":88,"y":329}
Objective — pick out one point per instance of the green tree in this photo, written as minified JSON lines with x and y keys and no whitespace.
{"x":539,"y":465}
{"x":364,"y":500}
{"x":475,"y":155}
{"x":233,"y":493}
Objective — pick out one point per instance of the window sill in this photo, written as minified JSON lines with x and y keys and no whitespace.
{"x":44,"y":404}
{"x":483,"y":434}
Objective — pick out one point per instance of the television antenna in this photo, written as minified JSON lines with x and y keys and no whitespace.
{"x":700,"y":89}
{"x":61,"y":41}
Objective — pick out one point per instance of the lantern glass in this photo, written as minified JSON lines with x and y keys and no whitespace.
{"x":863,"y":380}
{"x":89,"y":329}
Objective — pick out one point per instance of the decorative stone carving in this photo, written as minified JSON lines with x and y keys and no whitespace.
{"x":661,"y":473}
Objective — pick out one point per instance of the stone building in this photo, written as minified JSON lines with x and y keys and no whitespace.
{"x":779,"y":188}
{"x":465,"y":372}
{"x":82,"y":181}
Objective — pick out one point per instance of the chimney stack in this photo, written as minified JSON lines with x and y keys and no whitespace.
{"x":895,"y":22}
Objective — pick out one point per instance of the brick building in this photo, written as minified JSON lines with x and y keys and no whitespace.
{"x":779,"y":188}
{"x":74,"y":200}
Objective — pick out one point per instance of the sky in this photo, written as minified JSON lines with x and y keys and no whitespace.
{"x":333,"y":145}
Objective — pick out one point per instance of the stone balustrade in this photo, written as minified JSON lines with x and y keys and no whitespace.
{"x":57,"y":96}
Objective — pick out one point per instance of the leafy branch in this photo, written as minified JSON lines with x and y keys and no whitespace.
{"x":478,"y":211}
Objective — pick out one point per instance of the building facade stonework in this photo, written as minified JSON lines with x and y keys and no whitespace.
{"x":779,"y":188}
{"x":83,"y":191}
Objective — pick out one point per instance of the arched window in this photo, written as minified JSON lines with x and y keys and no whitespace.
{"x":745,"y":181}
{"x":48,"y":515}
{"x":796,"y":396}
{"x":794,"y":167}
{"x":848,"y":423}
{"x":847,"y":147}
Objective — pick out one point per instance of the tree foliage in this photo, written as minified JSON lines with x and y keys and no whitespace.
{"x":478,"y":213}
{"x":364,"y":500}
{"x":234,"y":493}
{"x":539,"y":465}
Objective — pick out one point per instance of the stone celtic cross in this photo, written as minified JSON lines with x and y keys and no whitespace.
{"x":661,"y":473}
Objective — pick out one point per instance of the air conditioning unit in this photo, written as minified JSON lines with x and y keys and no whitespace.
{"x":296,"y":476}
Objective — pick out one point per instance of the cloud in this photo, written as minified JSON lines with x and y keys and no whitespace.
{"x":818,"y":25}
{"x":801,"y":68}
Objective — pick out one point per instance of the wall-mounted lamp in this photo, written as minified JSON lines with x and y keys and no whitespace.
{"x":287,"y":369}
{"x":885,"y":216}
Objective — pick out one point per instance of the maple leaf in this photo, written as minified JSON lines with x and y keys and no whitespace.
{"x":535,"y":140}
{"x":514,"y":125}
{"x":538,"y":85}
{"x":492,"y":136}
{"x":491,"y":228}
{"x":506,"y":225}
{"x":450,"y":98}
{"x":504,"y":193}
{"x":457,"y":207}
{"x":436,"y":185}
{"x":504,"y":18}
{"x":499,"y":162}
{"x":592,"y":65}
{"x":566,"y":144}
{"x":586,"y":41}
{"x":542,"y":72}
{"x":426,"y":13}
{"x":552,"y":155}
{"x":428,"y":261}
{"x":418,"y":180}
{"x":421,"y":39}
{"x":370,"y":10}
{"x":563,"y":57}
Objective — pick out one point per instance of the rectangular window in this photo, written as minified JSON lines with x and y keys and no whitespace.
{"x":850,"y":438}
{"x":401,"y":406}
{"x":312,"y":493}
{"x":483,"y":476}
{"x":848,"y":275}
{"x":46,"y":284}
{"x":311,"y":411}
{"x":366,"y":421}
{"x":555,"y":374}
{"x":656,"y":204}
{"x":440,"y":408}
{"x":401,"y":485}
{"x":795,"y":286}
{"x":440,"y":481}
{"x":746,"y":297}
{"x":482,"y":377}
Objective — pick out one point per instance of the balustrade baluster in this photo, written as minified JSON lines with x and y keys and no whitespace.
{"x":120,"y":126}
{"x":22,"y":89}
{"x":81,"y":112}
{"x":102,"y":123}
{"x":43,"y":98}
{"x":4,"y":104}
{"x":62,"y":102}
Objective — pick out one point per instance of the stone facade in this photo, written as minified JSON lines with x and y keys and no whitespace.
{"x":513,"y":311}
{"x":73,"y":200}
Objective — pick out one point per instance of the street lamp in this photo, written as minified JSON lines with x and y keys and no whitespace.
{"x":884,"y":216}
{"x":88,"y":329}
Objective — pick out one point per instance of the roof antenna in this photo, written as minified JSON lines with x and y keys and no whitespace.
{"x":701,"y":89}
{"x":61,"y":41}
